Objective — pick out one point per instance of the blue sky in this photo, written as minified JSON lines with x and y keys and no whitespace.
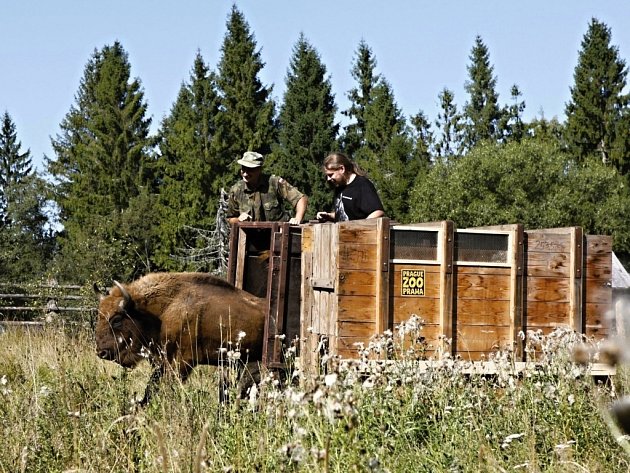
{"x":420,"y":46}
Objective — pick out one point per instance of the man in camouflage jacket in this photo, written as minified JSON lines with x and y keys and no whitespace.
{"x":258,"y":197}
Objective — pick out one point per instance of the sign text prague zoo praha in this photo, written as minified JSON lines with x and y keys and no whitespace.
{"x":412,"y":282}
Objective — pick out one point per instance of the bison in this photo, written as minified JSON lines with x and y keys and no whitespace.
{"x":177,"y":320}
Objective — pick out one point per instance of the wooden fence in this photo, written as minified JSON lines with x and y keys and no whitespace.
{"x":34,"y":304}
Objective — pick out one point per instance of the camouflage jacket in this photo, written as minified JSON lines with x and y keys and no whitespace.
{"x":266,"y":202}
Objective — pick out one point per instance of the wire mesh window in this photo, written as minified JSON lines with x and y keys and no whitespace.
{"x":413,"y":245}
{"x":481,"y":247}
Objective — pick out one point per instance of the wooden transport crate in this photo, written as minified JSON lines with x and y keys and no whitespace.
{"x":477,"y":290}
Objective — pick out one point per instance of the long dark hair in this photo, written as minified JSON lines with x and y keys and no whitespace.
{"x":337,"y":159}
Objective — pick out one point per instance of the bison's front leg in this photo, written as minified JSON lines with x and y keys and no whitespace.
{"x":182,"y":370}
{"x":153,"y":383}
{"x":239,"y":377}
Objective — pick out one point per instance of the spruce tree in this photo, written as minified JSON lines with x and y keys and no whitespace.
{"x":187,"y":167}
{"x":482,"y":112}
{"x":307,"y":128}
{"x":598,"y":117}
{"x":14,"y":165}
{"x":247,"y":118}
{"x":423,"y":142}
{"x":511,"y":124}
{"x":102,"y":163}
{"x":387,"y":150}
{"x":363,"y":72}
{"x":449,"y":127}
{"x":25,"y":240}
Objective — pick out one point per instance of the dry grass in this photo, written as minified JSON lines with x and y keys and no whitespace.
{"x":63,"y":409}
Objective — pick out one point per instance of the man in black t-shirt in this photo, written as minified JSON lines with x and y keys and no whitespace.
{"x":355,"y":195}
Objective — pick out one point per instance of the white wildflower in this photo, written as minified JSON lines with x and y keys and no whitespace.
{"x":240,"y":336}
{"x":330,"y":379}
{"x":45,"y":391}
{"x":508,"y":440}
{"x":3,"y":380}
{"x":253,"y":397}
{"x":564,"y":446}
{"x":318,"y":396}
{"x":234,"y":355}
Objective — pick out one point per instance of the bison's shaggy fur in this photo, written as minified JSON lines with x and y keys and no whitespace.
{"x":179,"y":320}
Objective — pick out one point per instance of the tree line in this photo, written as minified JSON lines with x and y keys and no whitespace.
{"x":128,"y":202}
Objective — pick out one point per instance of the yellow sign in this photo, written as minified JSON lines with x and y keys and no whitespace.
{"x":412,"y":282}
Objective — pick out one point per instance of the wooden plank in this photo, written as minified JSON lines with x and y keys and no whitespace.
{"x":599,"y":311}
{"x":598,"y":266}
{"x":575,"y":279}
{"x":240,"y":258}
{"x":356,"y":308}
{"x":483,"y":270}
{"x":428,"y":309}
{"x":382,"y":272}
{"x":598,"y":291}
{"x":357,"y":282}
{"x":427,"y":267}
{"x":356,"y":329}
{"x":541,"y":264}
{"x":357,"y":256}
{"x":347,"y":348}
{"x":483,"y":286}
{"x":598,"y":244}
{"x":549,"y":241}
{"x":307,"y":239}
{"x":548,"y":289}
{"x":484,"y":338}
{"x":547,"y":314}
{"x":447,"y":278}
{"x":308,"y":340}
{"x":599,"y":315}
{"x":517,"y":262}
{"x":482,"y":312}
{"x":358,"y":234}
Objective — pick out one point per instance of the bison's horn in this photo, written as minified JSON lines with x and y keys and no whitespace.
{"x":124,"y":293}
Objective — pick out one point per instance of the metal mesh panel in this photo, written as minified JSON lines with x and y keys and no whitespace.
{"x":413,"y":245}
{"x":481,"y":247}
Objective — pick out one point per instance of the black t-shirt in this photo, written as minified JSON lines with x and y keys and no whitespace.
{"x":357,"y":200}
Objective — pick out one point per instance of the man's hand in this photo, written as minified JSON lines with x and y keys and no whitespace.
{"x":325,"y":216}
{"x":244,"y":217}
{"x":294,"y":221}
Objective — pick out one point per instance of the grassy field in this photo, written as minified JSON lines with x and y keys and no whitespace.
{"x":64,"y":410}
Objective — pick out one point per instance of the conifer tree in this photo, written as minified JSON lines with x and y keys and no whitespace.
{"x":187,"y":167}
{"x":363,"y":72}
{"x":423,"y":143}
{"x":598,"y":119}
{"x":387,"y":150}
{"x":448,"y":142}
{"x":25,"y":242}
{"x":102,"y":163}
{"x":511,"y":123}
{"x":307,"y":128}
{"x":247,"y":118}
{"x":14,"y":165}
{"x":482,"y":112}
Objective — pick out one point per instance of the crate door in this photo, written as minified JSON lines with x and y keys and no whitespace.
{"x":421,"y":282}
{"x":488,"y":305}
{"x":319,"y":303}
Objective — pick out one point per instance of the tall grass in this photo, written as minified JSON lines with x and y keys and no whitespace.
{"x":62,"y":409}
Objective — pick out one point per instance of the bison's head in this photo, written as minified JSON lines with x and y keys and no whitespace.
{"x":124,"y":333}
